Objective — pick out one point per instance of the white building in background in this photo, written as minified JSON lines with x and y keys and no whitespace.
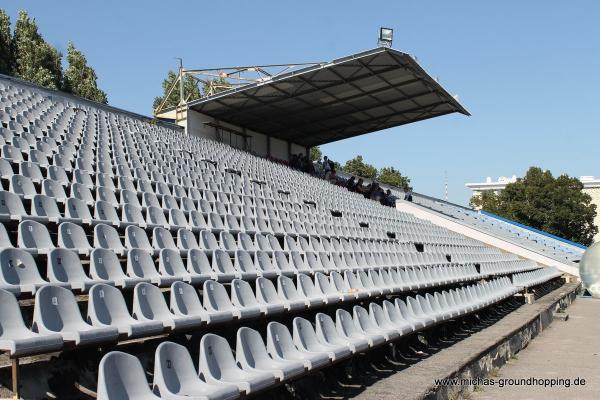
{"x":591,"y":186}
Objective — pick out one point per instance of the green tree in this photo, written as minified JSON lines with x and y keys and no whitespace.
{"x":6,"y":54}
{"x":80,"y":79}
{"x":190,"y":89}
{"x":357,"y":166}
{"x":486,"y":200}
{"x":554,"y":205}
{"x":315,"y":153}
{"x":391,"y":176}
{"x":216,"y":85}
{"x":35,"y":60}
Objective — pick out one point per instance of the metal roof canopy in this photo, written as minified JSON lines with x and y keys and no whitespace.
{"x":350,"y":96}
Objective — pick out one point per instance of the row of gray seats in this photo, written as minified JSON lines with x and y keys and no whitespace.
{"x":536,"y":277}
{"x":256,"y":366}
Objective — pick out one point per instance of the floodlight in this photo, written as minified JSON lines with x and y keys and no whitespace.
{"x":386,"y":35}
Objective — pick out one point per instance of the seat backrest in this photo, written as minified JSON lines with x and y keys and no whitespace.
{"x":215,"y":296}
{"x":148,"y":301}
{"x":105,"y":211}
{"x":11,"y":204}
{"x":33,"y":235}
{"x":4,"y":238}
{"x":18,"y":267}
{"x":121,"y":376}
{"x":287,"y":289}
{"x":242,"y":294}
{"x":136,"y":238}
{"x":156,"y":215}
{"x":184,"y":299}
{"x":186,"y":240}
{"x":44,"y":206}
{"x":105,"y":265}
{"x":222,"y":262}
{"x":107,"y":237}
{"x":20,"y":184}
{"x":106,"y":304}
{"x":162,"y":239}
{"x":64,"y":266}
{"x":72,"y":236}
{"x":55,"y":307}
{"x":197,"y":263}
{"x":266,"y":292}
{"x":170,"y":263}
{"x":11,"y":320}
{"x":215,"y":355}
{"x":140,"y":264}
{"x":279,"y":340}
{"x":172,"y":365}
{"x":249,"y":347}
{"x":303,"y":333}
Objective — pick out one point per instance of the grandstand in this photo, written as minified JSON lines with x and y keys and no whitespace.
{"x":543,"y":243}
{"x":131,"y":249}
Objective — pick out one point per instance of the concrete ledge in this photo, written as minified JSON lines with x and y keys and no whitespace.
{"x":475,"y":356}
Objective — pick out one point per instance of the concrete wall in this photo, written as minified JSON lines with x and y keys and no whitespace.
{"x":258,"y":143}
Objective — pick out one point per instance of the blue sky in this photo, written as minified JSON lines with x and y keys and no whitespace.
{"x":528,"y":71}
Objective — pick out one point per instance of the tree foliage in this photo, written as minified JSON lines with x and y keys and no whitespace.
{"x":190,"y":89}
{"x":35,"y":60}
{"x":357,"y":166}
{"x":26,"y":55}
{"x":315,"y":153}
{"x":554,"y":205}
{"x":80,"y":79}
{"x":391,"y":176}
{"x":6,"y":56}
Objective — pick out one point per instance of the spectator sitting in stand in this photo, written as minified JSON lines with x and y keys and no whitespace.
{"x":359,"y":188}
{"x":351,"y":184}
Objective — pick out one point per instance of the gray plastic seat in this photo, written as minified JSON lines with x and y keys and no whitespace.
{"x":267,"y":297}
{"x":243,"y":298}
{"x":105,"y":266}
{"x":15,"y":337}
{"x":34,"y":237}
{"x":22,"y":186}
{"x":393,"y":314}
{"x":107,"y":308}
{"x":76,"y":209}
{"x":306,"y":339}
{"x":121,"y":377}
{"x":263,"y":263}
{"x":327,"y":332}
{"x":149,"y":305}
{"x":131,"y":213}
{"x":4,"y":238}
{"x":243,"y":263}
{"x":56,"y":311}
{"x":382,"y":321}
{"x":107,"y":237}
{"x":72,"y":236}
{"x":141,"y":266}
{"x":307,"y":289}
{"x":19,"y":272}
{"x":251,"y":355}
{"x":292,"y":299}
{"x":365,"y":323}
{"x":186,"y":240}
{"x":217,"y":366}
{"x":46,"y":207}
{"x":184,"y":301}
{"x":324,"y":286}
{"x":64,"y":269}
{"x":199,"y":267}
{"x":162,"y":239}
{"x":349,"y":329}
{"x":222,"y":265}
{"x":175,"y":377}
{"x":280,"y":346}
{"x":136,"y":238}
{"x":216,"y":300}
{"x":170,"y":265}
{"x":11,"y":207}
{"x":282,"y":263}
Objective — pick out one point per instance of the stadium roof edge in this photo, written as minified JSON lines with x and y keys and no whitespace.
{"x":349,"y":96}
{"x":91,"y":102}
